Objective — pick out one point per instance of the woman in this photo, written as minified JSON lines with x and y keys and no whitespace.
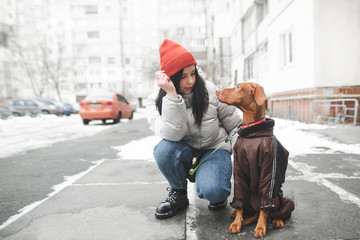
{"x":187,"y":115}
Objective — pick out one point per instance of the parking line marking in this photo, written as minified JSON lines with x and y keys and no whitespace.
{"x":191,"y":214}
{"x":116,"y":184}
{"x":69,"y":180}
{"x":320,"y":178}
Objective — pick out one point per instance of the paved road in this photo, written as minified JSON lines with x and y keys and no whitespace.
{"x":116,"y":199}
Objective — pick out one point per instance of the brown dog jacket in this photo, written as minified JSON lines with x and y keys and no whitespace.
{"x":260,"y":163}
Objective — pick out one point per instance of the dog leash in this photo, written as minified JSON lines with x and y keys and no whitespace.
{"x":193,"y":170}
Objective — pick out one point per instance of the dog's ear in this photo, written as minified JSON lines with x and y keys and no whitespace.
{"x":259,"y":94}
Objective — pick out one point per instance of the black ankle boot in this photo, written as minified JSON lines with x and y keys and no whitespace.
{"x":176,"y":200}
{"x":216,"y":206}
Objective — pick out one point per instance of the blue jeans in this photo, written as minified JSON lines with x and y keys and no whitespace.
{"x":212,"y":177}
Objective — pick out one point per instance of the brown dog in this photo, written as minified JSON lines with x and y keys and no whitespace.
{"x":260,"y":163}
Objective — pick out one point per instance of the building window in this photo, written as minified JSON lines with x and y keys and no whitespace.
{"x":94,"y":60}
{"x":110,"y":60}
{"x":3,"y":39}
{"x":235,"y":77}
{"x":180,"y":31}
{"x":94,"y":47}
{"x":93,"y":34}
{"x":287,"y":48}
{"x":108,"y":9}
{"x":80,"y":48}
{"x":249,"y":67}
{"x":91,"y":9}
{"x":80,"y":86}
{"x":198,"y":42}
{"x":95,"y":72}
{"x":112,"y":85}
{"x":263,"y":58}
{"x":165,"y":34}
{"x":80,"y":61}
{"x":79,"y":73}
{"x":261,"y":10}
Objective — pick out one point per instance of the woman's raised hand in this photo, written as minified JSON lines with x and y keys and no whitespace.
{"x":164,"y":82}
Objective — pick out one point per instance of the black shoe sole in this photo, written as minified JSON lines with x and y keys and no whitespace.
{"x":217,"y":207}
{"x":172,"y":212}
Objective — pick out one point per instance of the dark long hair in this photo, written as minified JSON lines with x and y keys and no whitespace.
{"x":200,"y":99}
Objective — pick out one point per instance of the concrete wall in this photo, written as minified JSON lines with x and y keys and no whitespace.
{"x":337,"y":42}
{"x":285,"y":16}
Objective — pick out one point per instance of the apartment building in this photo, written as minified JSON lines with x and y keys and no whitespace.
{"x":66,"y":49}
{"x":19,"y":45}
{"x":7,"y":22}
{"x":33,"y":48}
{"x":219,"y":52}
{"x":301,"y":51}
{"x":96,"y":49}
{"x":185,"y":23}
{"x":144,"y":24}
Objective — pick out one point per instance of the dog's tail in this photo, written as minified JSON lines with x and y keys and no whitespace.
{"x":251,"y":219}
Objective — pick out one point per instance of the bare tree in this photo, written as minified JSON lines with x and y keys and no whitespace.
{"x":54,"y":65}
{"x":42,"y":65}
{"x":29,"y":61}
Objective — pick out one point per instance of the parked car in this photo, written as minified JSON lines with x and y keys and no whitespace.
{"x":21,"y":107}
{"x":68,"y":109}
{"x":49,"y":106}
{"x":76,"y":107}
{"x":4,"y":112}
{"x":105,"y":106}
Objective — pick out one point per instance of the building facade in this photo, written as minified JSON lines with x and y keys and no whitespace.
{"x":7,"y":23}
{"x":96,"y":47}
{"x":294,"y":48}
{"x":67,"y":49}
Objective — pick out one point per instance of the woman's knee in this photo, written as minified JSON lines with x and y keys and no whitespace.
{"x":166,"y":150}
{"x":214,"y":192}
{"x":213,"y":179}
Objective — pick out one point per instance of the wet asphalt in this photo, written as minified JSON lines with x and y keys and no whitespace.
{"x":116,"y":198}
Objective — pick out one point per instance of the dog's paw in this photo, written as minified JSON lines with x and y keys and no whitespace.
{"x":278,"y":223}
{"x":233,"y":214}
{"x":235,"y":227}
{"x":260,"y":231}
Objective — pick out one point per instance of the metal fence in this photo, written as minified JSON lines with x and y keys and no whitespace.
{"x":335,"y":110}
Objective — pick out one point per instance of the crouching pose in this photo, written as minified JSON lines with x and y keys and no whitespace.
{"x":186,"y":113}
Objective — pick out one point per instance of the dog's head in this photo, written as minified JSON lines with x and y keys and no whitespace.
{"x":243,"y":95}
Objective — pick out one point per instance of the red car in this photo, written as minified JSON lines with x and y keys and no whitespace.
{"x":105,"y":106}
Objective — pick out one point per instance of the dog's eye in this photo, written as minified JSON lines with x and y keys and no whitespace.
{"x":238,"y":87}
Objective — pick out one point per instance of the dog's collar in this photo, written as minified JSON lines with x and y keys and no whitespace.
{"x":242,"y":126}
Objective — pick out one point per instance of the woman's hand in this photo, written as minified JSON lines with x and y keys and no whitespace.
{"x":164,"y":82}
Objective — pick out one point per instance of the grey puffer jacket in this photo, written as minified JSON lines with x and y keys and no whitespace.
{"x":177,"y":122}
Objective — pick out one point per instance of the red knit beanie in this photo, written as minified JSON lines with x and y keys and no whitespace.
{"x":174,"y":57}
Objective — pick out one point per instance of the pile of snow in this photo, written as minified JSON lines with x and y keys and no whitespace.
{"x":299,"y":142}
{"x":290,"y":133}
{"x":20,"y":134}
